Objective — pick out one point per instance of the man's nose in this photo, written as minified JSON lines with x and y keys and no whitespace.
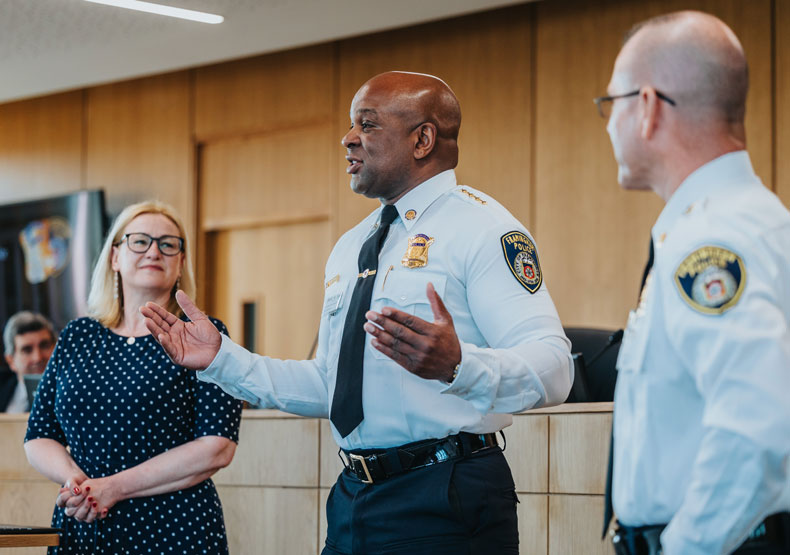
{"x":351,"y":139}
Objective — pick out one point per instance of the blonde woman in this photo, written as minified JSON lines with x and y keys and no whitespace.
{"x":144,"y":435}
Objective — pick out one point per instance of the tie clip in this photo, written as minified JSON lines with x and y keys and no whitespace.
{"x":367,"y":273}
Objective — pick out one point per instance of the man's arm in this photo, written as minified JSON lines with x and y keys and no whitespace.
{"x":734,"y":486}
{"x":293,"y":386}
{"x":740,"y":362}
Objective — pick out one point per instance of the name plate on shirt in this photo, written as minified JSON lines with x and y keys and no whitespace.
{"x":333,"y":303}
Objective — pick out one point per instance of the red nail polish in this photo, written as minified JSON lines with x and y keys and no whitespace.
{"x":95,"y":505}
{"x":87,"y":488}
{"x":90,"y":499}
{"x":76,"y":490}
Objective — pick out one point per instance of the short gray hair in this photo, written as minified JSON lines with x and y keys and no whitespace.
{"x":24,"y":322}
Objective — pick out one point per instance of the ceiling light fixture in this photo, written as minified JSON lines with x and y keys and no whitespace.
{"x":150,"y":7}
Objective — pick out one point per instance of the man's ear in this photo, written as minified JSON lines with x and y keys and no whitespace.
{"x":9,"y":360}
{"x":650,"y":103}
{"x":426,"y":140}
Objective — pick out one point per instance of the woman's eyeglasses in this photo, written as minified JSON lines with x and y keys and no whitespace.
{"x":169,"y":245}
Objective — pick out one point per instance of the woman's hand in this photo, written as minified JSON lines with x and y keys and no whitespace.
{"x":71,"y":490}
{"x":75,"y":500}
{"x":101,"y":494}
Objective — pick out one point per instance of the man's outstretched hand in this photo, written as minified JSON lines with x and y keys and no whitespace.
{"x":191,"y":344}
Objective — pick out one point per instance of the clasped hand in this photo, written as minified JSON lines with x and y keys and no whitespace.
{"x":428,"y":350}
{"x":84,"y":499}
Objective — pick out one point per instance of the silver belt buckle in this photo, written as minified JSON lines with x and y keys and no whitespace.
{"x":361,"y":459}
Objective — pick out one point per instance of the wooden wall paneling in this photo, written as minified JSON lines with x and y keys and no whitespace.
{"x":13,"y":464}
{"x":527,"y":443}
{"x":575,"y":527}
{"x":256,"y":463}
{"x":283,"y":266}
{"x":593,"y":236}
{"x":27,"y":502}
{"x":272,"y":177}
{"x":284,"y":521}
{"x":264,"y":93}
{"x":323,"y":495}
{"x":139,"y":143}
{"x":578,"y":452}
{"x":485,"y":58}
{"x":41,"y":147}
{"x":782,"y":100}
{"x":533,"y":524}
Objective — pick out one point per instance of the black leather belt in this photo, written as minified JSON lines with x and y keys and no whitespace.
{"x":375,"y":465}
{"x":771,"y":536}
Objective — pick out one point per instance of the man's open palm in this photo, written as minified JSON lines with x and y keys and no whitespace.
{"x":192,"y":344}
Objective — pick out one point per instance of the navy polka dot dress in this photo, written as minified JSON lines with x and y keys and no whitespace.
{"x":117,"y":402}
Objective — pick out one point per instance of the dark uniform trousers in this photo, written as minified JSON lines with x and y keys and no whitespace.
{"x":458,"y":507}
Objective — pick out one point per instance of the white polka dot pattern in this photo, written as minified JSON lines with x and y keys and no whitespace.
{"x":116,"y":405}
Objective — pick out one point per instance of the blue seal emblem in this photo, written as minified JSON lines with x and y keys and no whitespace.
{"x":711,"y":279}
{"x":522,"y":259}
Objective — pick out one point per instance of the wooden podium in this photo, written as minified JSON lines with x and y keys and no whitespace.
{"x":274,"y":493}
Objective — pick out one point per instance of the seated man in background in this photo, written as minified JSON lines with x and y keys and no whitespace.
{"x":29,"y":339}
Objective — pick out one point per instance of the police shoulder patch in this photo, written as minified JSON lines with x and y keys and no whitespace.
{"x":711,"y":279}
{"x":522,"y":259}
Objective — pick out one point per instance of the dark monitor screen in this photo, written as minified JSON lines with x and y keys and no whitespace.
{"x":47,"y":251}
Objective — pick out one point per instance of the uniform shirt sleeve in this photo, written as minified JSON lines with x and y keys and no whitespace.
{"x":295,"y":386}
{"x":736,"y":484}
{"x":527,"y":361}
{"x":740,"y":362}
{"x":216,"y":413}
{"x":43,"y":422}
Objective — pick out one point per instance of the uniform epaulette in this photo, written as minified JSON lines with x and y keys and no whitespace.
{"x":465,"y":193}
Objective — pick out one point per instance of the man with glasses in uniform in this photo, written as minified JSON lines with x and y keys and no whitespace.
{"x":701,"y":436}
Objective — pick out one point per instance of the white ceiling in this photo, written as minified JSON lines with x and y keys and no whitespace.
{"x":55,"y":45}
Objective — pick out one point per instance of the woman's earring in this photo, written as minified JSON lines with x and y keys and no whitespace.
{"x":115,"y":286}
{"x":178,"y":284}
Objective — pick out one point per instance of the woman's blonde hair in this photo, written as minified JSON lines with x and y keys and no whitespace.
{"x":103,"y":303}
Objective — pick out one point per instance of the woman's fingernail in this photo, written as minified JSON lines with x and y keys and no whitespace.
{"x":87,"y":488}
{"x":76,"y":490}
{"x":90,"y":499}
{"x":95,"y":505}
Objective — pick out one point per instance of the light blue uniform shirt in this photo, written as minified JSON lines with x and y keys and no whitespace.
{"x":515,"y":355}
{"x":702,"y":404}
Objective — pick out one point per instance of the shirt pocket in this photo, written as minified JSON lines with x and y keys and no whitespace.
{"x":406,"y":291}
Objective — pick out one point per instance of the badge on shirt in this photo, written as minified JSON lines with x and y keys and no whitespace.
{"x":711,"y":279}
{"x":522,"y":259}
{"x":417,"y":252}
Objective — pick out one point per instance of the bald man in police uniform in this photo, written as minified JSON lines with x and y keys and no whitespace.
{"x":439,"y":296}
{"x":702,"y":413}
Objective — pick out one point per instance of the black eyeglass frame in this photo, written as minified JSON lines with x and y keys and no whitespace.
{"x":602,"y":99}
{"x":157,"y":240}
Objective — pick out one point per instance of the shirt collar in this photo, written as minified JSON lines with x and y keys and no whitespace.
{"x":414,"y":203}
{"x":716,"y":177}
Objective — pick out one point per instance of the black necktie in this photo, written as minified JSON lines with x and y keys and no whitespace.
{"x":608,"y":508}
{"x":347,"y":401}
